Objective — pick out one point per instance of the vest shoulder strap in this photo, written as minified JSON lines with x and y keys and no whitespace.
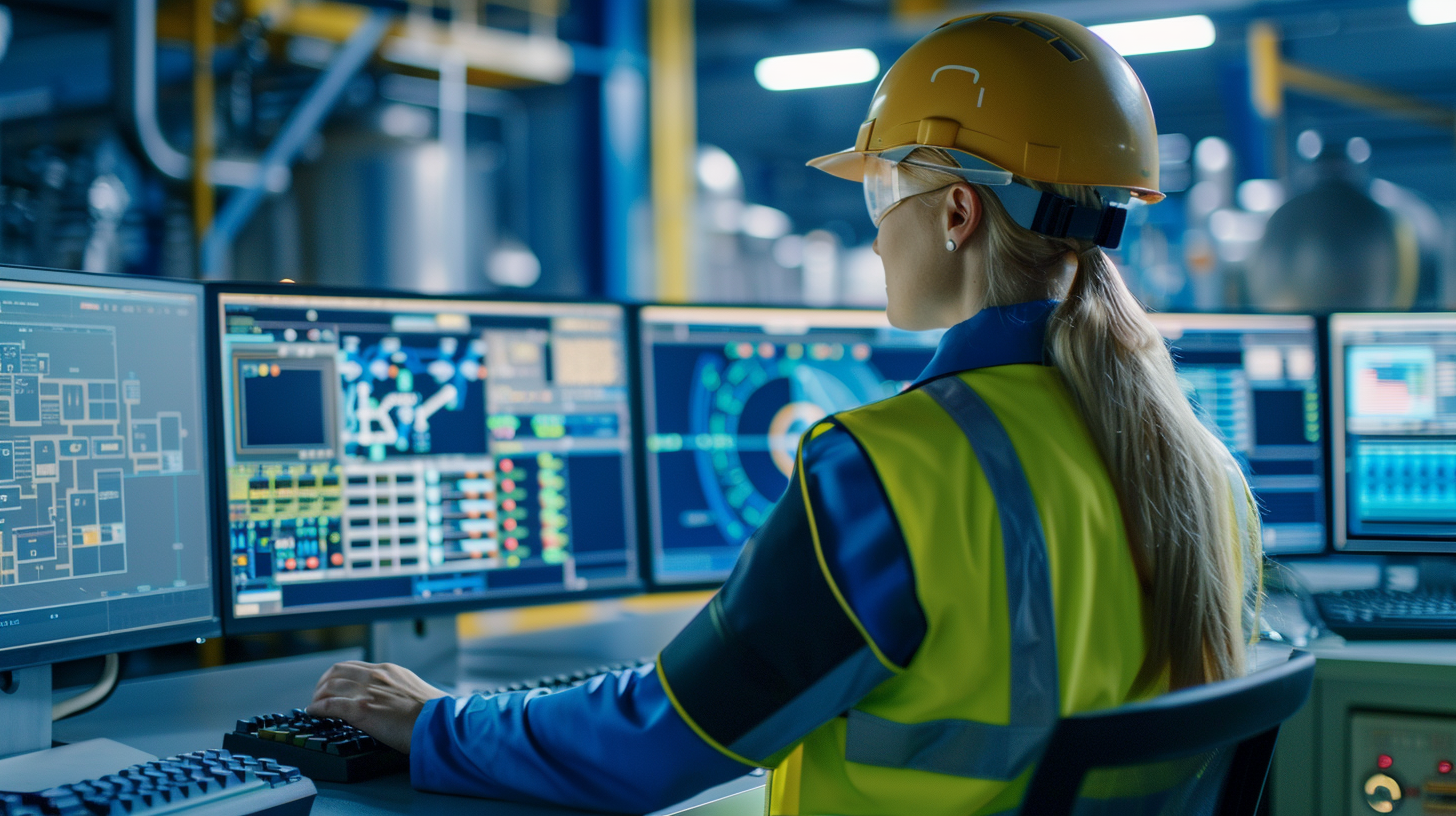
{"x":965,"y":747}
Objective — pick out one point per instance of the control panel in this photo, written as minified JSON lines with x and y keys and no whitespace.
{"x":1401,"y":763}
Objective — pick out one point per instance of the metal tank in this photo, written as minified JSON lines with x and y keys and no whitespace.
{"x":1334,"y":247}
{"x":376,"y":214}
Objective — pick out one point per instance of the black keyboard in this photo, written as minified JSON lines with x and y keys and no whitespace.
{"x":565,"y":680}
{"x":324,"y":749}
{"x":1378,"y":614}
{"x":202,"y":783}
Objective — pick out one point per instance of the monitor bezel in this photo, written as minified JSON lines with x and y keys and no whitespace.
{"x":1342,"y":540}
{"x":167,"y":634}
{"x":647,"y":530}
{"x":315,"y":619}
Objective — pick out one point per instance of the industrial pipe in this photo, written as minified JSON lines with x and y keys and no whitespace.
{"x":136,"y":52}
{"x":273,"y":172}
{"x":136,"y":85}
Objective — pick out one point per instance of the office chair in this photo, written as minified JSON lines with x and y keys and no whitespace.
{"x":1202,"y":751}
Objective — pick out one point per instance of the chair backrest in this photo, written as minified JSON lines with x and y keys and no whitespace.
{"x":1201,"y":751}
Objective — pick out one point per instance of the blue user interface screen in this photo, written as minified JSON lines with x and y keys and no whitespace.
{"x":1395,"y":408}
{"x":390,"y":451}
{"x":1254,"y":381}
{"x":103,"y":476}
{"x":728,"y":392}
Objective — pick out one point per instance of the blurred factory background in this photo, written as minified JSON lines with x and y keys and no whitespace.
{"x":654,"y":150}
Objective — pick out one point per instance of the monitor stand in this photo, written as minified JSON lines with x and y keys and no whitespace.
{"x":430,"y":647}
{"x":25,"y":708}
{"x":27,"y":760}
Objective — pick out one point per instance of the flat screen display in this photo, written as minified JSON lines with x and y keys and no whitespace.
{"x":1254,"y":380}
{"x":105,"y":535}
{"x":1394,"y":397}
{"x":386,"y":454}
{"x":727,"y":394}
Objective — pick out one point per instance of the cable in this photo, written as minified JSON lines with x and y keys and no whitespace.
{"x":91,"y":697}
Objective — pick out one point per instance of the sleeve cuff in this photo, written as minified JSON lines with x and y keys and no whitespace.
{"x":422,"y":747}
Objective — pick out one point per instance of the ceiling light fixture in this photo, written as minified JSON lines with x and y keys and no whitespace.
{"x":1157,"y":36}
{"x":819,"y":70}
{"x":1432,"y":12}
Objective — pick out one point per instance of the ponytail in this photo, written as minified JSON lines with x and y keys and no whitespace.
{"x":1185,"y":507}
{"x":1173,"y":477}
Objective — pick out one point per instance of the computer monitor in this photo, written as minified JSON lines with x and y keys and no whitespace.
{"x":397,"y":456}
{"x":1254,"y":379}
{"x":1393,"y":389}
{"x":105,"y":487}
{"x":727,"y":392}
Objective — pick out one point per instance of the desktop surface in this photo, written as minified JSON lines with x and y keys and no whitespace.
{"x":1394,"y":394}
{"x":1254,"y":380}
{"x":192,"y":710}
{"x":727,"y":394}
{"x":105,"y":537}
{"x":393,"y":455}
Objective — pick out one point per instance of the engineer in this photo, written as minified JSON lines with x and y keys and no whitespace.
{"x":1038,"y":526}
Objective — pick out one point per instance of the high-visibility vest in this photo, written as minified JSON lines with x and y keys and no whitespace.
{"x":1032,"y":603}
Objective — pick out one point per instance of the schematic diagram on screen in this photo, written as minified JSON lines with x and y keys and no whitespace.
{"x":750,"y":404}
{"x":408,"y":395}
{"x":71,"y":432}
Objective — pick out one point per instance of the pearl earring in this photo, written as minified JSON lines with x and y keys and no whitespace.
{"x":950,"y":245}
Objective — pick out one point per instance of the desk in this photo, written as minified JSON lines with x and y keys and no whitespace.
{"x":1310,"y":775}
{"x":185,"y":712}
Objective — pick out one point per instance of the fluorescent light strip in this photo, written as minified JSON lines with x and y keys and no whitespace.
{"x":821,"y":70}
{"x":1157,"y":36}
{"x":1433,"y":12}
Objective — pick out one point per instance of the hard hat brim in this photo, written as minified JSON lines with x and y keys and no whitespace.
{"x":846,"y":164}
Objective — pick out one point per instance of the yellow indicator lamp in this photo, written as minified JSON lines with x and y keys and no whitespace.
{"x":1382,"y":793}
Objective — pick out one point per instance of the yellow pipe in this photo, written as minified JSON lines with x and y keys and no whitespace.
{"x":1358,"y":94}
{"x":1265,"y":83}
{"x":674,"y":144}
{"x":203,"y":138}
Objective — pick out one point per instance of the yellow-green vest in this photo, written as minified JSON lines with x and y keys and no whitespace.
{"x":911,"y":746}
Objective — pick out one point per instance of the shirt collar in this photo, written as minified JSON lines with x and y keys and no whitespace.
{"x":994,"y":336}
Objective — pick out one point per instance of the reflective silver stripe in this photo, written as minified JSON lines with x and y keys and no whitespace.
{"x":966,"y":747}
{"x":832,"y":694}
{"x":955,"y":747}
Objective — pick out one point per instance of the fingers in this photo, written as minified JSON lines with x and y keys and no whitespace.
{"x":352,"y":669}
{"x":342,"y":708}
{"x":338,"y":687}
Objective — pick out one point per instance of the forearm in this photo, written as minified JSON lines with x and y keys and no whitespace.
{"x":614,"y":744}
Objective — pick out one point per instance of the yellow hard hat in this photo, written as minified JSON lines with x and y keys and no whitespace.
{"x":1033,"y":94}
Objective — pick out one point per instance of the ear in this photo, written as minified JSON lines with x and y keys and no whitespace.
{"x":962,"y":213}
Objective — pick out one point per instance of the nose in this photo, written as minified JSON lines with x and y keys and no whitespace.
{"x":876,"y":245}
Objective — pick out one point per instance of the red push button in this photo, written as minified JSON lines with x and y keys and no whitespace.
{"x":1384,"y":761}
{"x":1444,"y":766}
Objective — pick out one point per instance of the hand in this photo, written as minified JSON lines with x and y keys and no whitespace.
{"x":381,"y":699}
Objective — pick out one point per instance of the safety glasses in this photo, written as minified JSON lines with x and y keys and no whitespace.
{"x":886,"y":184}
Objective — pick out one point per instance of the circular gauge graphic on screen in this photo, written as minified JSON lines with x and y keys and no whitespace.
{"x":749,"y":408}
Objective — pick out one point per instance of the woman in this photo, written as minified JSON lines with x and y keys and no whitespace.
{"x":1038,"y":526}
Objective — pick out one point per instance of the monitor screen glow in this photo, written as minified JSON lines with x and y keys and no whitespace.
{"x":1394,"y":384}
{"x":105,"y":534}
{"x":389,"y":455}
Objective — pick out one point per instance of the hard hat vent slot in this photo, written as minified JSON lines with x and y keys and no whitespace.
{"x":1045,"y":33}
{"x":1068,"y":51}
{"x":1053,"y":39}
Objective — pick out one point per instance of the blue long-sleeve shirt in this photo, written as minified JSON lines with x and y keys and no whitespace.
{"x":790,"y":642}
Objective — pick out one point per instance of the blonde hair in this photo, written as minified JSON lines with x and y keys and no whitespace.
{"x":1174,"y":479}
